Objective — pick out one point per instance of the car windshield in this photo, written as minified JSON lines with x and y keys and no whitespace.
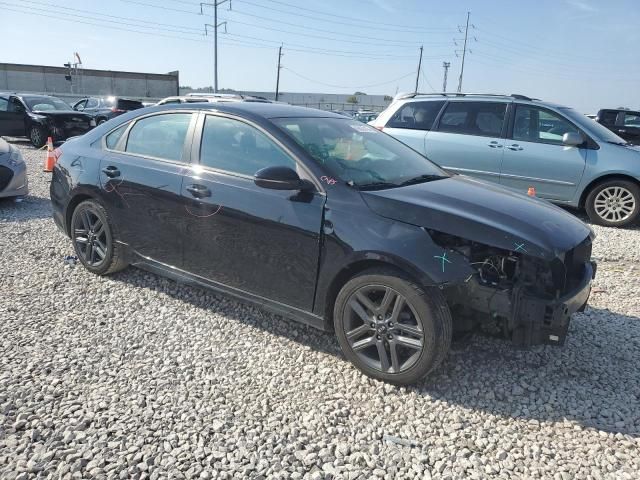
{"x":45,"y":103}
{"x":601,"y":132}
{"x":359,"y":154}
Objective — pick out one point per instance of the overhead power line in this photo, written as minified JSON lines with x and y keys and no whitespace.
{"x":410,"y":74}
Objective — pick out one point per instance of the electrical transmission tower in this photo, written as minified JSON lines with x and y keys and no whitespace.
{"x":446,"y":66}
{"x":278,"y":74}
{"x":464,"y":49}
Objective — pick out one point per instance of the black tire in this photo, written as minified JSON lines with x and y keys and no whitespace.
{"x":425,"y":308}
{"x":101,"y":121}
{"x":37,"y":136}
{"x":93,"y":239}
{"x":611,"y":196}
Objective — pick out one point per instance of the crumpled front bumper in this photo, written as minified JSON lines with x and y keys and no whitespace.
{"x":543,"y":321}
{"x":18,"y":184}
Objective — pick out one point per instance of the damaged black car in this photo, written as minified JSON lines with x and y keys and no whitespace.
{"x":325,"y":220}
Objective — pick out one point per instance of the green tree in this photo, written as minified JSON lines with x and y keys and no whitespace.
{"x":352,"y":99}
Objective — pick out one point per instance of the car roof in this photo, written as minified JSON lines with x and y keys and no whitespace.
{"x":255,"y":109}
{"x":471,"y":97}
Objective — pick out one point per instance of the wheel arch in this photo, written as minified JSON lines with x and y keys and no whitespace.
{"x":71,"y":206}
{"x":360,"y":265}
{"x":605,"y":178}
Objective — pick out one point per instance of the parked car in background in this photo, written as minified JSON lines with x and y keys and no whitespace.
{"x":40,"y":116}
{"x":624,"y":123}
{"x":379,"y":245}
{"x":106,"y":108}
{"x":520,"y":142}
{"x":13,"y":172}
{"x":365,"y":116}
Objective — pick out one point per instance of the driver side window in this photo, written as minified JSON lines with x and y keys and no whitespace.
{"x":533,"y":124}
{"x":80,"y":106}
{"x":236,"y":147}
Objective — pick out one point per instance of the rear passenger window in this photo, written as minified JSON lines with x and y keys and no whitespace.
{"x":416,"y":115}
{"x":236,"y":147}
{"x":112,"y":139}
{"x":160,"y":136}
{"x":473,"y":118}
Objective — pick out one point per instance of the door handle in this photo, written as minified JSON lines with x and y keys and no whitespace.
{"x":514,"y":147}
{"x":199,"y":191}
{"x":494,"y":144}
{"x":111,"y":171}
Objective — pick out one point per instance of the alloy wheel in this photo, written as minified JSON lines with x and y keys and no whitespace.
{"x":614,"y":204}
{"x":90,"y":237}
{"x":382,"y":329}
{"x":36,"y":136}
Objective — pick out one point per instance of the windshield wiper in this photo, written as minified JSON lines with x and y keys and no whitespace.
{"x":376,"y":185}
{"x":422,"y":179}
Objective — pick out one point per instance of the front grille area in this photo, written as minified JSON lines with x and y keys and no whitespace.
{"x":6,"y":174}
{"x":574,"y":262}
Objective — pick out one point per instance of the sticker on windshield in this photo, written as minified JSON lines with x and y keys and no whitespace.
{"x":361,"y":127}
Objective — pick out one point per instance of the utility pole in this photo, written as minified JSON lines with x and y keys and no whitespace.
{"x":464,"y":52}
{"x":278,"y":74}
{"x":215,"y":27}
{"x":446,"y":66}
{"x":419,"y":67}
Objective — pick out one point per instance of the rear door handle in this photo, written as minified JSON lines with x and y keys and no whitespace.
{"x":494,"y":144}
{"x":111,"y":171}
{"x":199,"y":191}
{"x":514,"y":147}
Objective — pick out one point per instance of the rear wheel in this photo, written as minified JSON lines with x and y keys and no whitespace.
{"x":93,"y":240}
{"x":390,"y":328}
{"x":101,"y":121}
{"x":37,"y":136}
{"x":614,"y":203}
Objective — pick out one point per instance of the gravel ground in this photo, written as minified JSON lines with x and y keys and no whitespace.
{"x":135,"y":376}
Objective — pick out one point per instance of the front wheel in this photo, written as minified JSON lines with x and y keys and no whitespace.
{"x":390,"y":328}
{"x":614,"y":203}
{"x":37,"y":136}
{"x":93,"y":239}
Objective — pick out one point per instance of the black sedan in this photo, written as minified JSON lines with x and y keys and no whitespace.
{"x":40,"y":116}
{"x":325,"y":220}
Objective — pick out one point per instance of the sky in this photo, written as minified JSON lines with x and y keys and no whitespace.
{"x":580,"y":53}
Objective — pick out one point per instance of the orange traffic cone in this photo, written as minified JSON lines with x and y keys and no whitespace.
{"x":50,"y":159}
{"x":531,"y":192}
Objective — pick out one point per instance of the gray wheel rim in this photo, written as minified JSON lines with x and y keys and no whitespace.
{"x":36,"y":136}
{"x":90,"y":237}
{"x":614,"y":204}
{"x":382,"y":329}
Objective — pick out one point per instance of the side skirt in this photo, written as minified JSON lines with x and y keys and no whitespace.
{"x":272,"y":306}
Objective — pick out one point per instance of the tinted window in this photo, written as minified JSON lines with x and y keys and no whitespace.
{"x":92,"y":103}
{"x":236,"y":147}
{"x":358,"y":153}
{"x":609,"y":117}
{"x":632,"y":119}
{"x":473,"y":118}
{"x":160,"y":136}
{"x":15,"y":105}
{"x":534,"y":124}
{"x":416,"y":115}
{"x":4,"y":104}
{"x":124,"y":104}
{"x":112,"y":139}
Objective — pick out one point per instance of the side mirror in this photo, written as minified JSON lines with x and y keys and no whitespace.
{"x":572,"y":139}
{"x":280,"y":178}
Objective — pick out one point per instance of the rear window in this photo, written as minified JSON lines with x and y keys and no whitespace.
{"x":416,"y":115}
{"x":160,"y":136}
{"x":473,"y":118}
{"x":128,"y":104}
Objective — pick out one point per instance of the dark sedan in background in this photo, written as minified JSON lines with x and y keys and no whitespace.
{"x":326,"y":220}
{"x":40,"y":116}
{"x":106,"y":108}
{"x":624,"y":123}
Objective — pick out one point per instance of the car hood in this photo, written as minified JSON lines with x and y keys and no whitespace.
{"x":482,"y":212}
{"x":63,"y":114}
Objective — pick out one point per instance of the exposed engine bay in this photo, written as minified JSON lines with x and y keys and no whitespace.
{"x":523,"y":296}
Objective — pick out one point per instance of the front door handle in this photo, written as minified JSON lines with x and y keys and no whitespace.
{"x":111,"y":171}
{"x":199,"y":191}
{"x":494,"y":144}
{"x":514,"y":147}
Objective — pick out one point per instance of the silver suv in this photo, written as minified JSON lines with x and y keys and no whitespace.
{"x":520,"y":142}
